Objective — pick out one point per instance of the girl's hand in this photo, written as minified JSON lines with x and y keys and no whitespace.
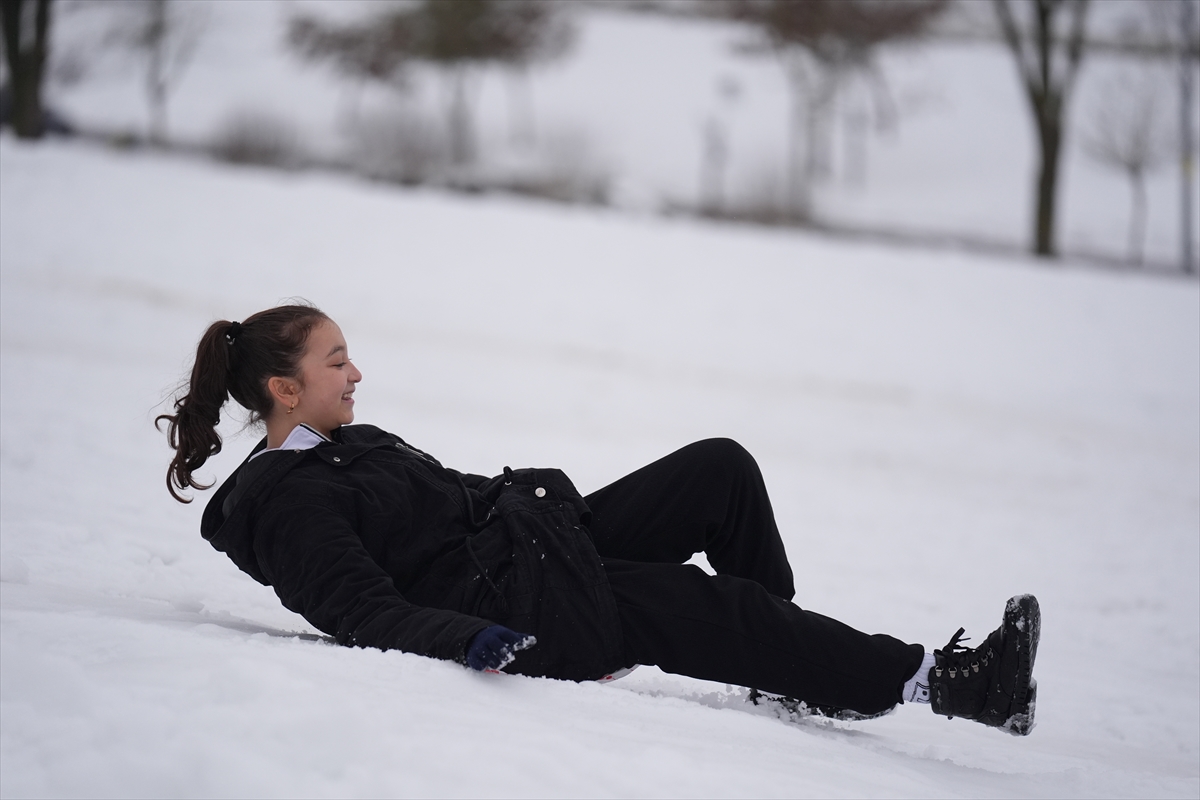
{"x":496,"y":647}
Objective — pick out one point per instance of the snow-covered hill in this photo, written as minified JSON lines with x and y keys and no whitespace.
{"x":939,"y":431}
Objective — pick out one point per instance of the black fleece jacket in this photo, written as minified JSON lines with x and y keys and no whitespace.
{"x":378,"y":545}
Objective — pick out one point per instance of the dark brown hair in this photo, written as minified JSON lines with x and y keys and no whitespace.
{"x":233,"y":359}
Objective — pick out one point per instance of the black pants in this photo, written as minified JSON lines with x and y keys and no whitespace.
{"x":738,"y":626}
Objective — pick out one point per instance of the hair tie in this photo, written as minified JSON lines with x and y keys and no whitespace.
{"x":231,"y":335}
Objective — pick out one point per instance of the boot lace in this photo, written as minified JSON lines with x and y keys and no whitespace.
{"x":959,"y":660}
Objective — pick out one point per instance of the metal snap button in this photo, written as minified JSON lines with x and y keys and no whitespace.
{"x":337,"y":460}
{"x":540,"y":492}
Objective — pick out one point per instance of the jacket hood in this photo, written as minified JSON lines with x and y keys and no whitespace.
{"x":224,"y":523}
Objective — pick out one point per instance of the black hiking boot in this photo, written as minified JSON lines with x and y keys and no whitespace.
{"x":992,"y":683}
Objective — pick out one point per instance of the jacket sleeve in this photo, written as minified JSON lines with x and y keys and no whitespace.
{"x":320,"y":569}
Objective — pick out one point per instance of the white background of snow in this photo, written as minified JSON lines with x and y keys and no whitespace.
{"x":938,"y":431}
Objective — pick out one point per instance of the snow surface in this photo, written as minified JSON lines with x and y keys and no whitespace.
{"x":939,"y":431}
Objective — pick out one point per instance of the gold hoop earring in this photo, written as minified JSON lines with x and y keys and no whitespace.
{"x":293,"y":408}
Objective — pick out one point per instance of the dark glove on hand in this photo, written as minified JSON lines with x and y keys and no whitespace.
{"x":496,"y":647}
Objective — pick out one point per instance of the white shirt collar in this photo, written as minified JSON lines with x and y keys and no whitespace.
{"x":302,"y":437}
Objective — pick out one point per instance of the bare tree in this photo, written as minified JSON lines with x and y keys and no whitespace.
{"x":818,"y":43}
{"x":166,"y":35}
{"x":1189,"y":59}
{"x":1169,"y":30}
{"x":541,"y":33}
{"x":26,"y":36}
{"x":1126,"y":132}
{"x":458,"y":37}
{"x":1048,"y":62}
{"x":377,"y":50}
{"x":714,"y":152}
{"x":1175,"y":30}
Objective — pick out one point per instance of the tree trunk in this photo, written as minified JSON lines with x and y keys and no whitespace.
{"x":1137,"y":216}
{"x":458,"y":118}
{"x":819,"y":160}
{"x":26,"y":64}
{"x":156,"y":71}
{"x":156,"y":94}
{"x":1047,"y":64}
{"x":798,"y":184}
{"x":1050,"y":137}
{"x":855,"y":127}
{"x":522,"y":126}
{"x":1187,"y":139}
{"x":713,"y":154}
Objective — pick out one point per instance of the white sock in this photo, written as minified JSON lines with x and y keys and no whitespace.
{"x":916,"y":689}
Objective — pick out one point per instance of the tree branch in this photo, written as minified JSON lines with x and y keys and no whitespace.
{"x":1016,"y":43}
{"x":1079,"y":10}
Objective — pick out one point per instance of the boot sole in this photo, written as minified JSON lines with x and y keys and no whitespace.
{"x":1023,"y":617}
{"x":800,"y":709}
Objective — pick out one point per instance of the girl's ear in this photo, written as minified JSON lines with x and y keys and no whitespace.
{"x":284,"y":390}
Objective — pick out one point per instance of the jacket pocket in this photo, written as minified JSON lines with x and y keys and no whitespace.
{"x":558,"y":577}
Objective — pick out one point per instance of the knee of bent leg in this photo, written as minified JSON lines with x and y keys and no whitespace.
{"x":727,"y":455}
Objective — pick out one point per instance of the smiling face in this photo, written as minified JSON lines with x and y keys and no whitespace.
{"x":324,"y":397}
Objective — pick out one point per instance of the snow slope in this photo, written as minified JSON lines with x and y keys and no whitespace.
{"x":938,"y":431}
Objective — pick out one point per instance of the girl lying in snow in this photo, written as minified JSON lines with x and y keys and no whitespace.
{"x":377,"y":544}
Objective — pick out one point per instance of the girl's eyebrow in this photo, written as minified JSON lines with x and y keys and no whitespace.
{"x":335,"y":349}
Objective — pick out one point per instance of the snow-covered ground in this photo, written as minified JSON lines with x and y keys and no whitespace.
{"x":938,"y":431}
{"x":631,"y":101}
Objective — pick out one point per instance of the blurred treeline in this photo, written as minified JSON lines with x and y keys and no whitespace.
{"x":821,"y":46}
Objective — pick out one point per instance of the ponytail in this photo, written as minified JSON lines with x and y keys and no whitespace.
{"x":232,"y":359}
